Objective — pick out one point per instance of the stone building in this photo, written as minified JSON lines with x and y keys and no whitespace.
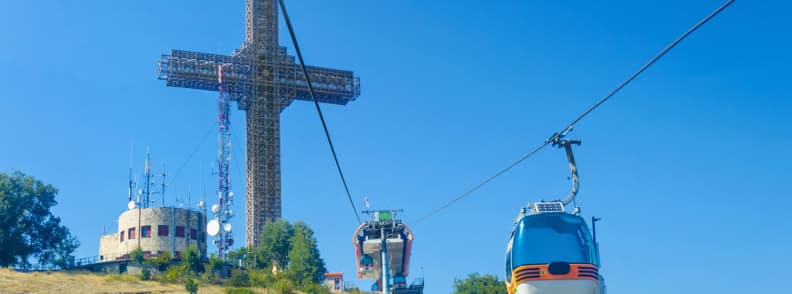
{"x":155,"y":230}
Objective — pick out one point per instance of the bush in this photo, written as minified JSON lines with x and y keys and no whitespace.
{"x":312,"y":288}
{"x":160,"y":262}
{"x":175,"y":273}
{"x":137,"y":255}
{"x":211,"y":279}
{"x":145,"y":275}
{"x":261,"y":278}
{"x":215,"y":265}
{"x":191,"y":258}
{"x":283,"y":286}
{"x":238,"y":291}
{"x":191,"y":286}
{"x":239,"y":278}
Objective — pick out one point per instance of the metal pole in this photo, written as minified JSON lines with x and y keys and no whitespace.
{"x":384,"y":250}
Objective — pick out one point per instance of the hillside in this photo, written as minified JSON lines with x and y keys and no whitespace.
{"x":86,"y":282}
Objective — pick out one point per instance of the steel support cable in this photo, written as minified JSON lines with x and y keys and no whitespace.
{"x":318,"y":108}
{"x":586,"y":112}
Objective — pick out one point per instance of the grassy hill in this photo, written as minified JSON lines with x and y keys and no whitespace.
{"x":86,"y":282}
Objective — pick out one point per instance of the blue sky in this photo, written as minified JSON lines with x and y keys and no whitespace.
{"x":687,"y":166}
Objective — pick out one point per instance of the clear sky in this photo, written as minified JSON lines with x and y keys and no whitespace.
{"x":687,"y":166}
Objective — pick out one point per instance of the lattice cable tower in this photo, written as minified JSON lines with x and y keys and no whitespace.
{"x":263,"y":80}
{"x":222,"y":211}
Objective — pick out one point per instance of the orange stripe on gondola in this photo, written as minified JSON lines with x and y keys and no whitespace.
{"x":539,"y":272}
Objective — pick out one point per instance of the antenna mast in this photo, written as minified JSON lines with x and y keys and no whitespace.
{"x":131,"y":188}
{"x":147,"y":174}
{"x":221,"y":227}
{"x":163,"y":185}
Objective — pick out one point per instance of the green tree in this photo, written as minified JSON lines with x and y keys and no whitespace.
{"x":306,"y":267}
{"x":478,"y":284}
{"x":160,"y":262}
{"x":145,"y":275}
{"x":28,"y":230}
{"x":274,"y":245}
{"x":191,"y":258}
{"x":137,"y":255}
{"x":239,"y":278}
{"x":215,"y":265}
{"x":261,"y":278}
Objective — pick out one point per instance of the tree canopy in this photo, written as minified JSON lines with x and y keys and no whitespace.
{"x":28,"y":229}
{"x":291,"y":249}
{"x":274,"y":245}
{"x":305,"y":265}
{"x":478,"y":284}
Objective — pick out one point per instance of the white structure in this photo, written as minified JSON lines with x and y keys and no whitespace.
{"x":155,"y":230}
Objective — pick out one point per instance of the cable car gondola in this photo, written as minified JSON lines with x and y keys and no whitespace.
{"x":551,"y":250}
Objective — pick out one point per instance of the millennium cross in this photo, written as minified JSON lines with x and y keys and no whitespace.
{"x":263,"y":80}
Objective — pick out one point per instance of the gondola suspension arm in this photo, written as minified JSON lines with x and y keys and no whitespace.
{"x":567,"y":144}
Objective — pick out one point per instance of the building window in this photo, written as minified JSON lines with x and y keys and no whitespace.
{"x":162,"y":230}
{"x":179,"y":231}
{"x":194,"y":234}
{"x":131,"y":234}
{"x":122,"y":236}
{"x":145,"y":232}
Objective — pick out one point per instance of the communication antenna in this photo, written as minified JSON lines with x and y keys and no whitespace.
{"x":220,"y":226}
{"x":147,"y":184}
{"x":163,"y":185}
{"x":131,"y":183}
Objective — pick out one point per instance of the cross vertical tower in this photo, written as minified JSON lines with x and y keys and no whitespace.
{"x":263,"y":80}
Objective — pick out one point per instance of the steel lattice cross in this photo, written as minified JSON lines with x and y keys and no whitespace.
{"x":263,"y":80}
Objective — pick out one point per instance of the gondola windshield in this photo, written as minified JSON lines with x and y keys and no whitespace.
{"x":552,"y":237}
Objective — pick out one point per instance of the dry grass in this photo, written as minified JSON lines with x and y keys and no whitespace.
{"x":85,"y":282}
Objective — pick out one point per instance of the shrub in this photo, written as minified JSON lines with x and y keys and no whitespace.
{"x":283,"y":286}
{"x":239,"y":278}
{"x":137,"y":255}
{"x":145,"y":274}
{"x":191,"y":258}
{"x":160,"y":262}
{"x":215,"y":265}
{"x":313,"y":288}
{"x":191,"y":286}
{"x":176,"y":273}
{"x":261,"y":278}
{"x":211,"y":279}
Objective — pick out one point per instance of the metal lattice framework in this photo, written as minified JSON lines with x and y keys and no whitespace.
{"x":263,"y":80}
{"x":223,"y":214}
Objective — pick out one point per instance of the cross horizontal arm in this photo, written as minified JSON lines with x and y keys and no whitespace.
{"x":196,"y":70}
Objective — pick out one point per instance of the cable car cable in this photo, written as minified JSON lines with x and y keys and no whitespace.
{"x":318,"y":108}
{"x":569,"y":126}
